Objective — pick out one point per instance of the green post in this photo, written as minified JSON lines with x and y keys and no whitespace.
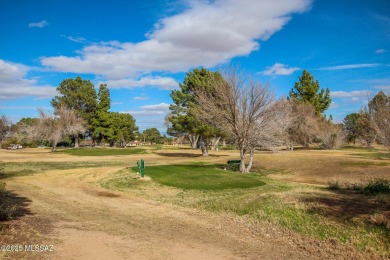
{"x":139,"y":166}
{"x":142,"y":168}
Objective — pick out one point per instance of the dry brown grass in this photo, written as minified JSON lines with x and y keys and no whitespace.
{"x":321,"y":166}
{"x":144,"y":225}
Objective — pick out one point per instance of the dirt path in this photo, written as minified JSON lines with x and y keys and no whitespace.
{"x":92,"y":223}
{"x":89,"y":222}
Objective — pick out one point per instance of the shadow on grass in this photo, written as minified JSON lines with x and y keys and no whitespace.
{"x":344,"y":206}
{"x":191,"y":155}
{"x":372,"y":155}
{"x":23,"y":172}
{"x":13,"y":206}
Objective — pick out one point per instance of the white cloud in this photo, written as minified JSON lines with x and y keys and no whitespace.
{"x":350,"y":94}
{"x":13,"y":84}
{"x":208,"y":33}
{"x":144,"y":113}
{"x":40,"y":24}
{"x":150,"y":115}
{"x":351,"y":66}
{"x":158,"y":107}
{"x":150,"y":110}
{"x":74,"y":39}
{"x":333,"y":105}
{"x":20,"y":107}
{"x":165,"y":83}
{"x":141,"y":97}
{"x":279,"y":69}
{"x":380,"y":51}
{"x":383,"y":87}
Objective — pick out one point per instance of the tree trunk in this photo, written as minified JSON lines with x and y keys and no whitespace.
{"x":242,"y":158}
{"x":214,"y":142}
{"x":203,"y":147}
{"x":76,"y":141}
{"x":248,"y":168}
{"x":193,"y":140}
{"x":224,"y":142}
{"x":291,"y":147}
{"x":54,"y":148}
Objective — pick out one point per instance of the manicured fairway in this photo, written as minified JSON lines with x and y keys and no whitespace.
{"x":210,"y":177}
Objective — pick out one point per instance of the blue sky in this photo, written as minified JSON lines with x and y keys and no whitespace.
{"x":142,"y":49}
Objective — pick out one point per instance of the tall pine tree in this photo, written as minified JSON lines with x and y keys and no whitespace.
{"x":184,"y":120}
{"x":101,"y":121}
{"x":307,"y":90}
{"x":79,"y":95}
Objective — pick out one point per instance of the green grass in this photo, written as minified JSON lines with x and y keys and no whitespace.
{"x":103,"y":151}
{"x":227,"y":147}
{"x":363,"y":164}
{"x":356,"y":148}
{"x":374,"y":155}
{"x":209,"y":177}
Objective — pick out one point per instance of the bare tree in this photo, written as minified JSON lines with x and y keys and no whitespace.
{"x":380,"y":118}
{"x":247,"y":110}
{"x":72,"y":123}
{"x":54,"y":127}
{"x":303,"y":124}
{"x":5,"y":127}
{"x":367,"y":128}
{"x":331,"y":135}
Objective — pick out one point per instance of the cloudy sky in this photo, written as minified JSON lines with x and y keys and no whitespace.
{"x":142,"y":49}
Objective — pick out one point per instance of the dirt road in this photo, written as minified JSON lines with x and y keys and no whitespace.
{"x":89,"y":222}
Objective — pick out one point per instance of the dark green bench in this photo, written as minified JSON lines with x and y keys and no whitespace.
{"x":233,"y":165}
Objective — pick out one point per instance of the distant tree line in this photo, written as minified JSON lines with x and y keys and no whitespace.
{"x":80,"y":113}
{"x":209,"y":108}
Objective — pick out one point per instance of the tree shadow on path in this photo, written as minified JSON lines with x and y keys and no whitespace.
{"x":13,"y":206}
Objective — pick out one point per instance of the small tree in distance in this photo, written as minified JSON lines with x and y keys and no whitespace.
{"x":152,"y":135}
{"x":352,"y":127}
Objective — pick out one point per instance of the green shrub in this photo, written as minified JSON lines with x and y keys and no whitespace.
{"x":2,"y":187}
{"x":373,"y":187}
{"x":334,"y":185}
{"x":2,"y":168}
{"x":377,"y":186}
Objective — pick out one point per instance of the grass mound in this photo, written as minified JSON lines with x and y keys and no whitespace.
{"x":198,"y":177}
{"x":103,"y":151}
